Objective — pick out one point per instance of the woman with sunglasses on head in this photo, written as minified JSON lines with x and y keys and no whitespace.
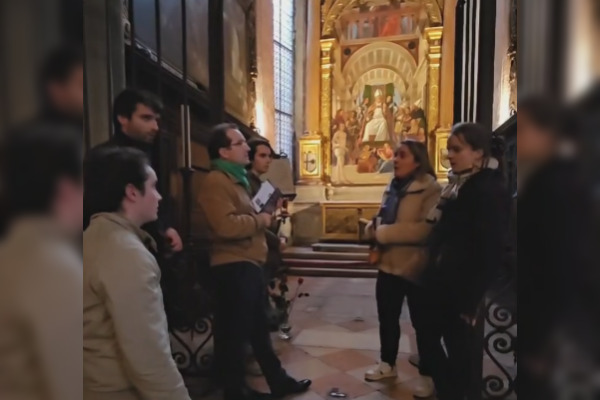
{"x":466,"y":251}
{"x":400,"y":231}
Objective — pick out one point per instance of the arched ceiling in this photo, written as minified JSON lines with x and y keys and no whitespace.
{"x":332,"y":9}
{"x":380,"y":55}
{"x":381,"y":76}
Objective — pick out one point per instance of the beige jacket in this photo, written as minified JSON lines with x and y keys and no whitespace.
{"x":235,"y":231}
{"x":40,"y":314}
{"x":126,"y":348}
{"x":403,"y":243}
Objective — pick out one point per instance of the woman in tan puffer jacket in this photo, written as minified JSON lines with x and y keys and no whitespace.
{"x":400,"y":230}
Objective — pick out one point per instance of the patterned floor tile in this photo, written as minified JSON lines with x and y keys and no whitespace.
{"x":318,"y":351}
{"x":374,"y":396}
{"x":347,"y":384}
{"x":347,"y":360}
{"x":310,"y":369}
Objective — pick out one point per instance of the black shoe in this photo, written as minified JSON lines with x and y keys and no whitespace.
{"x":292,"y":386}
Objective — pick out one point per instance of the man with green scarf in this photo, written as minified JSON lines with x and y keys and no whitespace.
{"x":238,"y":252}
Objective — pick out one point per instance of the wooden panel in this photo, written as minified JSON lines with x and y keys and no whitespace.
{"x":341,"y":220}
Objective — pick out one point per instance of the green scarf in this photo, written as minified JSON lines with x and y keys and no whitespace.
{"x":236,"y":170}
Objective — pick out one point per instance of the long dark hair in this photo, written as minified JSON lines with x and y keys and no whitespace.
{"x":480,"y":138}
{"x":421,"y":155}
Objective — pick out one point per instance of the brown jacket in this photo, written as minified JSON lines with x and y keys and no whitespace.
{"x":403,"y":243}
{"x":235,"y":231}
{"x":126,"y":345}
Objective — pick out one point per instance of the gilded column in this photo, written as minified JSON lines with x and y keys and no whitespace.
{"x":447,"y":79}
{"x":326,"y":91}
{"x":313,"y":67}
{"x":439,"y":136}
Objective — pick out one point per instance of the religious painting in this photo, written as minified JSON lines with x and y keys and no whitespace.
{"x":379,"y":90}
{"x":235,"y":25}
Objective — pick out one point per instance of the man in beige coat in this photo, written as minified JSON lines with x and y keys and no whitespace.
{"x":238,"y":252}
{"x":40,"y":266}
{"x":126,"y":348}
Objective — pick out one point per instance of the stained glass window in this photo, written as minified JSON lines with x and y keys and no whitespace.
{"x":283,"y":41}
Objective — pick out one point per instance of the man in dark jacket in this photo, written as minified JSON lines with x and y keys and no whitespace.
{"x":136,"y":116}
{"x":61,"y":86}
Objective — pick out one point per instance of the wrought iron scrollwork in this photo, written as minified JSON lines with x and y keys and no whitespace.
{"x":499,"y":345}
{"x":191,"y":347}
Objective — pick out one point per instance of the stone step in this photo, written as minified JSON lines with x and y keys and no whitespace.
{"x":340,"y":248}
{"x":306,"y":253}
{"x":333,"y":272}
{"x":321,"y":263}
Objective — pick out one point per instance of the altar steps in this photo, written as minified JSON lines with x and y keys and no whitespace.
{"x":329,"y":260}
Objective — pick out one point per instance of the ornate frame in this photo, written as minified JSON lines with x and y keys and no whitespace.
{"x":437,"y":136}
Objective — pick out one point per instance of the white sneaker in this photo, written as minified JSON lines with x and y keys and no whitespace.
{"x":383,"y":371}
{"x":424,"y":388}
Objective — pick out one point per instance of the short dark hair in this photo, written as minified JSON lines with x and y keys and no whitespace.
{"x":218,"y":139}
{"x":107,"y":172}
{"x":128,"y":100}
{"x":254,"y":143}
{"x":60,"y":64}
{"x":33,"y":160}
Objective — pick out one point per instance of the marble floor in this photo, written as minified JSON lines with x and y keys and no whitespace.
{"x":335,"y":340}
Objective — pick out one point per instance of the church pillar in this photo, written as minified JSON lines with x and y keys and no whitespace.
{"x":265,"y":87}
{"x":437,"y":140}
{"x":447,"y":78}
{"x":313,"y":67}
{"x":327,"y":46}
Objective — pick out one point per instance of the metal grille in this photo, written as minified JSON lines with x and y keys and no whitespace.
{"x":283,"y":42}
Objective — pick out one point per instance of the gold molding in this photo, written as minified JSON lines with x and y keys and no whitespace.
{"x":310,"y":167}
{"x":437,"y":137}
{"x":332,"y":10}
{"x":327,"y":46}
{"x":440,"y":158}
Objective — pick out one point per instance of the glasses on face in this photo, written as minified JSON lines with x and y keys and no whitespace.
{"x":239,"y":143}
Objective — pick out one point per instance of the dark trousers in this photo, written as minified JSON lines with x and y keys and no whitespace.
{"x":391,"y":292}
{"x":240,"y":318}
{"x":450,"y":369}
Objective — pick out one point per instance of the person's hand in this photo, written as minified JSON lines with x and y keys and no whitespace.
{"x":282,"y":244}
{"x":280,"y":203}
{"x":469,"y":319}
{"x":174,"y":240}
{"x":266,"y":219}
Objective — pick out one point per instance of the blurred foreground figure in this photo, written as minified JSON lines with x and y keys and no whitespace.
{"x":127,"y":353}
{"x":61,"y":86}
{"x":40,"y":266}
{"x":558,"y":339}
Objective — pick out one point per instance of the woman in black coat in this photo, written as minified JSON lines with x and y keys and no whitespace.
{"x":466,"y":250}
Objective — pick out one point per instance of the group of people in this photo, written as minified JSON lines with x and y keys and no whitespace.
{"x":111,"y":314}
{"x":439,"y":249}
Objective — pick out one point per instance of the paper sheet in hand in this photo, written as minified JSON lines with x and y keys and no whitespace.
{"x":266,"y":199}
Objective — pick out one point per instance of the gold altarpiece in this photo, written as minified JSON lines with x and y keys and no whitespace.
{"x":386,"y":74}
{"x":354,"y":35}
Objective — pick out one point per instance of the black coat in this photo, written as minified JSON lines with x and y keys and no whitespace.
{"x":467,"y":247}
{"x":557,"y":264}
